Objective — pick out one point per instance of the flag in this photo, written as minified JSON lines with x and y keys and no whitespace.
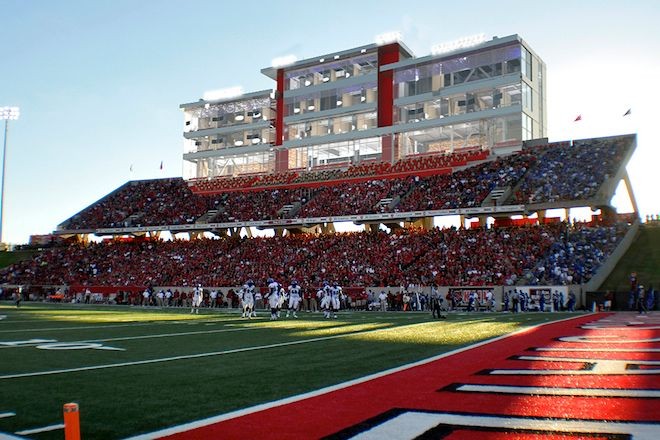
{"x":579,"y":118}
{"x":628,"y":113}
{"x":161,"y":164}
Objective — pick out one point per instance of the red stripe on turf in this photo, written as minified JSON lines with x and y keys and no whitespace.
{"x":418,"y":388}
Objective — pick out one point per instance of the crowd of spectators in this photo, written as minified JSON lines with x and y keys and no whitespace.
{"x":571,"y":172}
{"x":465,"y":188}
{"x":319,"y":176}
{"x":352,"y":199}
{"x":223,"y":183}
{"x":152,"y":202}
{"x":451,"y":256}
{"x":576,"y":255}
{"x":372,"y":168}
{"x":256,"y":205}
{"x":541,"y":174}
{"x":272,"y":179}
{"x":437,"y":161}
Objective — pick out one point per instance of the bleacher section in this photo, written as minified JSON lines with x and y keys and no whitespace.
{"x":546,"y":174}
{"x":566,"y":172}
{"x":500,"y":256}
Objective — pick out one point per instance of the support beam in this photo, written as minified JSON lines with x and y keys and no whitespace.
{"x":631,"y":194}
{"x":328,"y":228}
{"x":425,"y":223}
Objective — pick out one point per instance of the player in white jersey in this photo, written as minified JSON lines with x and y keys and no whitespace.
{"x":197,"y":299}
{"x":294,"y":298}
{"x":248,"y":299}
{"x":326,"y":300}
{"x":283,"y":299}
{"x":335,"y":295}
{"x":273,"y":297}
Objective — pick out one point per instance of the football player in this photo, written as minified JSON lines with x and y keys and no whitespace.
{"x":248,"y":299}
{"x":294,"y":298}
{"x":273,"y":297}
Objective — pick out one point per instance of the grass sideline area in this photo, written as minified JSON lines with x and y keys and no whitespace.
{"x":137,"y":370}
{"x":643,"y":257}
{"x":7,"y":258}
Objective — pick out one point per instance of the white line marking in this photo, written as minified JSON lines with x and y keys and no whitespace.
{"x":579,"y":360}
{"x":630,"y":326}
{"x":596,"y":350}
{"x":130,"y":338}
{"x":7,"y":414}
{"x":264,"y":406}
{"x":5,"y":436}
{"x":195,"y":356}
{"x":412,"y":424}
{"x":133,"y":324}
{"x":38,"y":430}
{"x":552,"y":391}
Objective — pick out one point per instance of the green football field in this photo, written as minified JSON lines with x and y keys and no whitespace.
{"x":136,"y":370}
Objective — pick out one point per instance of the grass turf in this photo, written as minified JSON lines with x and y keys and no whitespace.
{"x":226,"y":363}
{"x":7,"y":258}
{"x":643,"y":257}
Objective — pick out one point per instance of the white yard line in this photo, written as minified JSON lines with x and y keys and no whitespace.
{"x":130,"y":338}
{"x":264,"y":406}
{"x":195,"y":356}
{"x":132,"y":324}
{"x":38,"y":430}
{"x":5,"y":436}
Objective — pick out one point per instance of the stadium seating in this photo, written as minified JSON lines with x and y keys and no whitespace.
{"x":442,"y":256}
{"x":576,"y":256}
{"x":545,"y":174}
{"x":566,"y":172}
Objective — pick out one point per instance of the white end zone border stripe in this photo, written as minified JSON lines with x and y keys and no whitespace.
{"x":413,"y":424}
{"x":598,"y":350}
{"x":264,"y":406}
{"x":558,"y":391}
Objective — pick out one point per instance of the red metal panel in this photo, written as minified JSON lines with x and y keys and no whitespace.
{"x":386,"y":55}
{"x":281,"y":156}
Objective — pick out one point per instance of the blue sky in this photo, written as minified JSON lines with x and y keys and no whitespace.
{"x":99,"y":82}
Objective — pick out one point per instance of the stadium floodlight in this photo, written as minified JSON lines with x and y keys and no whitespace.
{"x":7,"y":114}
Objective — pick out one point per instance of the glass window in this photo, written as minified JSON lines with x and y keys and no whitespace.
{"x":526,"y":63}
{"x":527,"y":97}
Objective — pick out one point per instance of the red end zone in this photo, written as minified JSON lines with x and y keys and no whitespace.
{"x":594,"y":376}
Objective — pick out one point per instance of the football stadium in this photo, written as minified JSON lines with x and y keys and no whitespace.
{"x":233,"y":302}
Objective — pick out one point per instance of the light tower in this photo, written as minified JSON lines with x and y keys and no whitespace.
{"x":7,"y":114}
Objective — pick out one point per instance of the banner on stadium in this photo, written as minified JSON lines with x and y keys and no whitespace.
{"x":398,"y":216}
{"x":463,"y":294}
